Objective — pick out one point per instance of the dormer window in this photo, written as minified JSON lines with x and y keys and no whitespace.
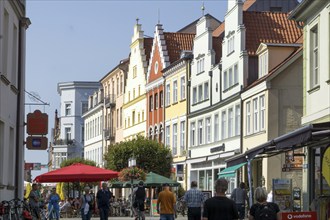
{"x":263,"y":64}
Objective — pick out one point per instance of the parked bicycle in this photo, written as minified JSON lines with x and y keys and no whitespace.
{"x":12,"y":210}
{"x":181,"y":207}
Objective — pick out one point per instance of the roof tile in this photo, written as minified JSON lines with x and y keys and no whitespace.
{"x":178,"y":42}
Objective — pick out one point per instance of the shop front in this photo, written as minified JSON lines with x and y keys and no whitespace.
{"x":313,"y":144}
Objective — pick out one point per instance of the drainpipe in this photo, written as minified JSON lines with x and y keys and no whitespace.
{"x":220,"y":80}
{"x":210,"y":93}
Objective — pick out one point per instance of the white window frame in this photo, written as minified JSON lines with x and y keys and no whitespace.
{"x":208,"y":130}
{"x":167,"y":133}
{"x":200,"y":132}
{"x":231,"y":44}
{"x":183,"y":87}
{"x":68,"y":109}
{"x":168,"y":94}
{"x":314,"y":56}
{"x":225,"y":80}
{"x":200,"y":65}
{"x":223,"y":124}
{"x":175,"y":91}
{"x":175,"y":139}
{"x":182,"y":135}
{"x":255,"y":115}
{"x":230,"y":77}
{"x":230,"y":122}
{"x":216,"y":127}
{"x":194,"y":101}
{"x":192,"y":133}
{"x":248,"y":117}
{"x":200,"y":93}
{"x":237,"y":119}
{"x":262,"y":112}
{"x":235,"y":74}
{"x":263,"y":64}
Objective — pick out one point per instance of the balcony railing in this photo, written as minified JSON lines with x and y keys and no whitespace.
{"x":63,"y":142}
{"x":110,"y":101}
{"x":110,"y":134}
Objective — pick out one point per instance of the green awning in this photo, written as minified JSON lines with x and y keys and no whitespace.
{"x":230,"y":171}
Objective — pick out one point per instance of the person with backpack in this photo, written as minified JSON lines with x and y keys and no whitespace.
{"x":139,"y":196}
{"x":86,"y":204}
{"x":263,"y":210}
{"x":103,"y":197}
{"x":239,"y":195}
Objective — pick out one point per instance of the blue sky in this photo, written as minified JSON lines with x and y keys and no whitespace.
{"x":83,"y":40}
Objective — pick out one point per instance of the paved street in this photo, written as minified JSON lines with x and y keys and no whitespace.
{"x":126,"y":218}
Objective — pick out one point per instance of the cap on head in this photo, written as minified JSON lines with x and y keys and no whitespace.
{"x":141,"y":183}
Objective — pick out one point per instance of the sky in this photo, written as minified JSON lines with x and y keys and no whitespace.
{"x":82,"y":40}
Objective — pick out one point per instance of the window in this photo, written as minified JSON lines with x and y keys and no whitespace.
{"x":200,"y":132}
{"x":134,"y":72}
{"x":208,"y":130}
{"x":67,"y":133}
{"x":14,"y":55}
{"x":230,"y":71}
{"x":206,"y":90}
{"x":142,"y":115}
{"x":121,"y":117}
{"x":235,"y":74}
{"x":84,"y":107}
{"x":183,"y":88}
{"x":129,"y":96}
{"x":237,"y":120}
{"x":230,"y":122}
{"x":200,"y":93}
{"x":263,"y":64}
{"x":67,"y":109}
{"x":225,"y":80}
{"x":156,"y":101}
{"x":314,"y":65}
{"x":262,"y":112}
{"x":182,"y":135}
{"x":223,"y":124}
{"x":255,"y":115}
{"x":230,"y":46}
{"x":168,"y":94}
{"x":192,"y":134}
{"x":150,"y":103}
{"x":200,"y":65}
{"x":117,"y":86}
{"x":248,"y":118}
{"x":175,"y":139}
{"x":5,"y":42}
{"x":133,"y":118}
{"x":161,"y":99}
{"x":117,"y":122}
{"x":167,"y":141}
{"x":216,"y":127}
{"x":122,"y":84}
{"x":194,"y":95}
{"x":134,"y":93}
{"x":139,"y":117}
{"x":175,"y":91}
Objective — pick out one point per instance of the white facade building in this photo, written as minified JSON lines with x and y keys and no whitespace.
{"x":12,"y":86}
{"x":93,"y":129}
{"x":69,"y":141}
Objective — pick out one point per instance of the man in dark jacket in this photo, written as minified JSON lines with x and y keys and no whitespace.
{"x":139,"y":197}
{"x":103,"y":197}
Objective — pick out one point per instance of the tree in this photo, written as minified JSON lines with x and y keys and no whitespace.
{"x":150,"y":155}
{"x":69,"y":162}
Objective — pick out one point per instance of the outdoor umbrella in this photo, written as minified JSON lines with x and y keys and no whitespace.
{"x":77,"y":173}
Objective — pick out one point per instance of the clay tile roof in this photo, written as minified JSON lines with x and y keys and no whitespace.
{"x":269,"y":27}
{"x":147,"y":47}
{"x":247,"y":4}
{"x":217,"y":32}
{"x":178,"y":42}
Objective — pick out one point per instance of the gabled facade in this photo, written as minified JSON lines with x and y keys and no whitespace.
{"x":135,"y":103}
{"x":69,"y":139}
{"x":272,"y":106}
{"x":93,"y":128}
{"x":113,"y":84}
{"x":12,"y":97}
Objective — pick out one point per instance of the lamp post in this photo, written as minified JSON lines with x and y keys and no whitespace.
{"x":132,"y":163}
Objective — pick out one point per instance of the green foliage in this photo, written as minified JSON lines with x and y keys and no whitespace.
{"x":181,"y":191}
{"x":69,"y":162}
{"x":150,"y":155}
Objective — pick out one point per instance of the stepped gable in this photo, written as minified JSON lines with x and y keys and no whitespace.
{"x":178,"y":42}
{"x":148,"y":47}
{"x":269,"y":27}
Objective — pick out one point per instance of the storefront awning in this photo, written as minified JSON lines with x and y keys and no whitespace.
{"x":230,"y":171}
{"x":308,"y":135}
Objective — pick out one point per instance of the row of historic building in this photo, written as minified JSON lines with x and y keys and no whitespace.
{"x":246,"y":99}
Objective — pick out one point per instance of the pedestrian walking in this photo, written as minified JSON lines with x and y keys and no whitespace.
{"x":194,"y":199}
{"x":103,"y":197}
{"x":139,"y":196}
{"x":263,"y":210}
{"x":166,"y":203}
{"x":86,"y":204}
{"x":239,"y":195}
{"x":219,"y":206}
{"x":34,"y":202}
{"x":53,"y":205}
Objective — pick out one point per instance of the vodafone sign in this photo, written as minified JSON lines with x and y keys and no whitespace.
{"x":299,"y":216}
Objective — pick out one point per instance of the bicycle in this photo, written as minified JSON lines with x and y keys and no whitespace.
{"x":12,"y":210}
{"x":181,"y":206}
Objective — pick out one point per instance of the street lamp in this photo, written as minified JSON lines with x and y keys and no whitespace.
{"x":132,"y":163}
